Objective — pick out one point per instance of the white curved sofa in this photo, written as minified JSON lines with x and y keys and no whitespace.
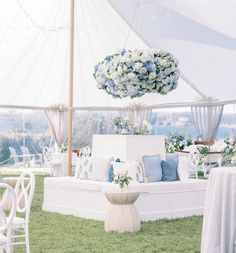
{"x":85,"y":198}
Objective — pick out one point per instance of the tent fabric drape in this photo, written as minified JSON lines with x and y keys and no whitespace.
{"x":58,"y":122}
{"x":207,"y":120}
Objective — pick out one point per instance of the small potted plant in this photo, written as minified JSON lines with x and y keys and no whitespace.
{"x":122,"y":179}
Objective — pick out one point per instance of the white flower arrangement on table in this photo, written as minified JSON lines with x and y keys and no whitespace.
{"x":63,"y":148}
{"x":134,"y":73}
{"x":177,"y":142}
{"x":229,"y":152}
{"x":122,"y":179}
{"x":127,"y":126}
{"x":226,"y":148}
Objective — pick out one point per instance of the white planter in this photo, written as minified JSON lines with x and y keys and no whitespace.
{"x":122,"y":215}
{"x":128,"y":147}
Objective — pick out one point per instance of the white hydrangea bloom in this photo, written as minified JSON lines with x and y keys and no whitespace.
{"x":137,"y":66}
{"x":152,"y":75}
{"x":131,"y":76}
{"x":135,"y":57}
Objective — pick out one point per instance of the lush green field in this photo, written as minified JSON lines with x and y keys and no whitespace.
{"x":55,"y":233}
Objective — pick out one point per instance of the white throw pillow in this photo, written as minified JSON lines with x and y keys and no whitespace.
{"x":83,"y":169}
{"x":183,"y":168}
{"x":133,"y":168}
{"x":101,"y":167}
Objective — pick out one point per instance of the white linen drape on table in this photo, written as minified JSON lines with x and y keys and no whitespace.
{"x":58,"y":122}
{"x":219,"y":222}
{"x":207,"y":120}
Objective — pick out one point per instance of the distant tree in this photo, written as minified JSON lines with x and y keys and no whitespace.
{"x":88,"y":123}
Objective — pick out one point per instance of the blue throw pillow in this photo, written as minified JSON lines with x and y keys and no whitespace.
{"x":173,"y":158}
{"x":152,"y":167}
{"x":111,"y":171}
{"x":169,"y":168}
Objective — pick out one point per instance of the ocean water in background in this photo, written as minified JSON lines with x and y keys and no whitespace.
{"x":182,"y":123}
{"x":223,"y":132}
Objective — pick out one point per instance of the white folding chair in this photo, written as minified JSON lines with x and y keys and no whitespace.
{"x":15,"y":157}
{"x":47,"y":156}
{"x":29,"y":157}
{"x":24,"y":189}
{"x":8,"y":195}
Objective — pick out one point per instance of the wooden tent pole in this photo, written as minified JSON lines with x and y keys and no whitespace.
{"x":71,"y":82}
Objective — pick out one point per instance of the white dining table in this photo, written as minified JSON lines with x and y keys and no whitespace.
{"x":219,"y":221}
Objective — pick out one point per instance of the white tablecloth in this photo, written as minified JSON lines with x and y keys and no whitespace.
{"x":219,"y":222}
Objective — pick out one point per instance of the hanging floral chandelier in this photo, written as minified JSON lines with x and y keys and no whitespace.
{"x":135,"y":73}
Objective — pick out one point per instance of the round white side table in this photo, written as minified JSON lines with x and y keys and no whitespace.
{"x":123,"y":215}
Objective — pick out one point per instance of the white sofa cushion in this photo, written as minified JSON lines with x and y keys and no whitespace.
{"x":183,"y":168}
{"x":100,"y":168}
{"x":162,"y":186}
{"x":73,"y":183}
{"x":101,"y":186}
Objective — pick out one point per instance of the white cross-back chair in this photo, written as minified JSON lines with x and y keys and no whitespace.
{"x":8,"y":195}
{"x":24,"y":189}
{"x":84,"y":153}
{"x":48,"y":154}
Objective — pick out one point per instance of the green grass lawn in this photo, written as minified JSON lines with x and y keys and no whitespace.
{"x":55,"y":233}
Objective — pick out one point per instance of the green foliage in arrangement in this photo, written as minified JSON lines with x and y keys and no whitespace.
{"x":122,"y":179}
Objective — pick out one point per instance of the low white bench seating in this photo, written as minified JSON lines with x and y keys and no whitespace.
{"x":85,"y":198}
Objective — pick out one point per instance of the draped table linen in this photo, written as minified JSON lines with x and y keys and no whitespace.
{"x":219,"y":222}
{"x":59,"y":163}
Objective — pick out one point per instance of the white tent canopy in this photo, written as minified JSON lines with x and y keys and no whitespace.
{"x":201,"y":34}
{"x":34,"y":48}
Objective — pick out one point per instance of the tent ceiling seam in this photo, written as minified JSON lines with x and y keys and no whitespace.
{"x":115,"y":23}
{"x":36,"y":60}
{"x":9,"y":26}
{"x":51,"y":61}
